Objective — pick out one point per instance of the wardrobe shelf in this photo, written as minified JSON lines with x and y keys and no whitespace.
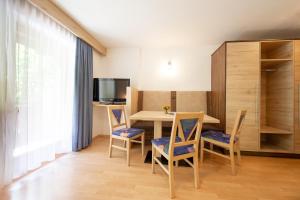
{"x":273,"y":148}
{"x":276,"y":60}
{"x":273,"y":130}
{"x":274,"y":63}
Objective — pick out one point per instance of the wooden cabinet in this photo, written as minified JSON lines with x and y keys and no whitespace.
{"x":262,"y":77}
{"x":242,"y":78}
{"x":297,"y":95}
{"x":217,"y":108}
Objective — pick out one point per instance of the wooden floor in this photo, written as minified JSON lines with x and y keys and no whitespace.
{"x":90,"y":174}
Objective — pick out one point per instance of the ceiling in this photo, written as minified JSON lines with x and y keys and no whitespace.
{"x":170,"y":23}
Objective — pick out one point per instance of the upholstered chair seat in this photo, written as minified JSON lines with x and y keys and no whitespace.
{"x":218,"y":136}
{"x":128,"y":132}
{"x":164,"y":143}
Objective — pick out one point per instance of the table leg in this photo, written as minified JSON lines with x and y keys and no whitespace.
{"x":157,"y":129}
{"x":157,"y":132}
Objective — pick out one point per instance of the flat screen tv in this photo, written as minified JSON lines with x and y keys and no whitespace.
{"x":110,"y":90}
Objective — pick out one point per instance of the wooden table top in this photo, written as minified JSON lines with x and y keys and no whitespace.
{"x":161,"y":116}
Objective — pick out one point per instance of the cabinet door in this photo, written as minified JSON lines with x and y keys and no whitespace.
{"x":297,"y":96}
{"x":216,"y":105}
{"x":242,"y":90}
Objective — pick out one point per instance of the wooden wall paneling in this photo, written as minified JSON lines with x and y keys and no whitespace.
{"x":191,"y":101}
{"x":217,"y":97}
{"x":242,"y":90}
{"x":173,"y":101}
{"x":140,"y":100}
{"x":208,"y":101}
{"x":155,"y":100}
{"x":297,"y":96}
{"x":56,"y":13}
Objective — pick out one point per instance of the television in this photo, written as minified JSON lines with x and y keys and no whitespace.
{"x":110,"y":90}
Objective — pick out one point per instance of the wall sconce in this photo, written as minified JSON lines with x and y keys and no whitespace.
{"x":168,"y":69}
{"x":169,"y":66}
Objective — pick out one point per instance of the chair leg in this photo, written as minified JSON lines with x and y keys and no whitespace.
{"x":238,"y":152}
{"x":211,"y":146}
{"x":110,"y":146}
{"x":153,"y":161}
{"x":177,"y":163}
{"x":143,"y":144}
{"x":128,"y":152}
{"x":171,"y":178}
{"x":201,"y":151}
{"x":196,"y":171}
{"x":231,"y":151}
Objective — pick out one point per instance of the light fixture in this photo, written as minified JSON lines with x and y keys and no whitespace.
{"x":169,"y":65}
{"x":168,"y":68}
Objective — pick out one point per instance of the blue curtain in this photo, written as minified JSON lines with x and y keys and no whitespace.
{"x":83,"y":97}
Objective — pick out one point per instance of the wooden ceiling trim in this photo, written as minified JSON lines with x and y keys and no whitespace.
{"x":55,"y":12}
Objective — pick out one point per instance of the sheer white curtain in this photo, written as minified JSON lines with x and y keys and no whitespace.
{"x":8,"y":104}
{"x":45,"y":55}
{"x":44,"y":82}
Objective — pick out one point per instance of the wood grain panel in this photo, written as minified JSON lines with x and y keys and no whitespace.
{"x":191,"y":101}
{"x":155,"y":100}
{"x":131,"y":102}
{"x":297,"y":96}
{"x":56,"y":13}
{"x":173,"y":101}
{"x":242,"y":90}
{"x":279,"y":49}
{"x":279,"y":97}
{"x":140,"y":100}
{"x":263,"y":99}
{"x":216,"y":104}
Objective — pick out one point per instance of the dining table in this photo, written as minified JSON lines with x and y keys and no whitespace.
{"x":160,"y":116}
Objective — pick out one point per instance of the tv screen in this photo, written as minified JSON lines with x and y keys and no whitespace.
{"x":110,"y":90}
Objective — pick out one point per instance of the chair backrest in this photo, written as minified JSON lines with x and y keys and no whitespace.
{"x":187,"y":126}
{"x":238,"y":124}
{"x":116,"y":117}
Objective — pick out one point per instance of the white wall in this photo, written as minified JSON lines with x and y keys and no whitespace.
{"x":147,"y":70}
{"x":190,"y":69}
{"x":100,"y":121}
{"x":118,"y":63}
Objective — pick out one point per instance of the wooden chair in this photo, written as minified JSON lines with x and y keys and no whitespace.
{"x":180,"y":147}
{"x":227,"y":141}
{"x":119,"y":130}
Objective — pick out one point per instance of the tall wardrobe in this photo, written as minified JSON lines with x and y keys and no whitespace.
{"x":262,"y":77}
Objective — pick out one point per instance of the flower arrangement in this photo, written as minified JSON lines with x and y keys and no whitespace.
{"x":166,"y":109}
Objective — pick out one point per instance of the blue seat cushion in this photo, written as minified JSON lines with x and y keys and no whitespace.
{"x":218,"y":136}
{"x":128,"y":132}
{"x":164,"y":142}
